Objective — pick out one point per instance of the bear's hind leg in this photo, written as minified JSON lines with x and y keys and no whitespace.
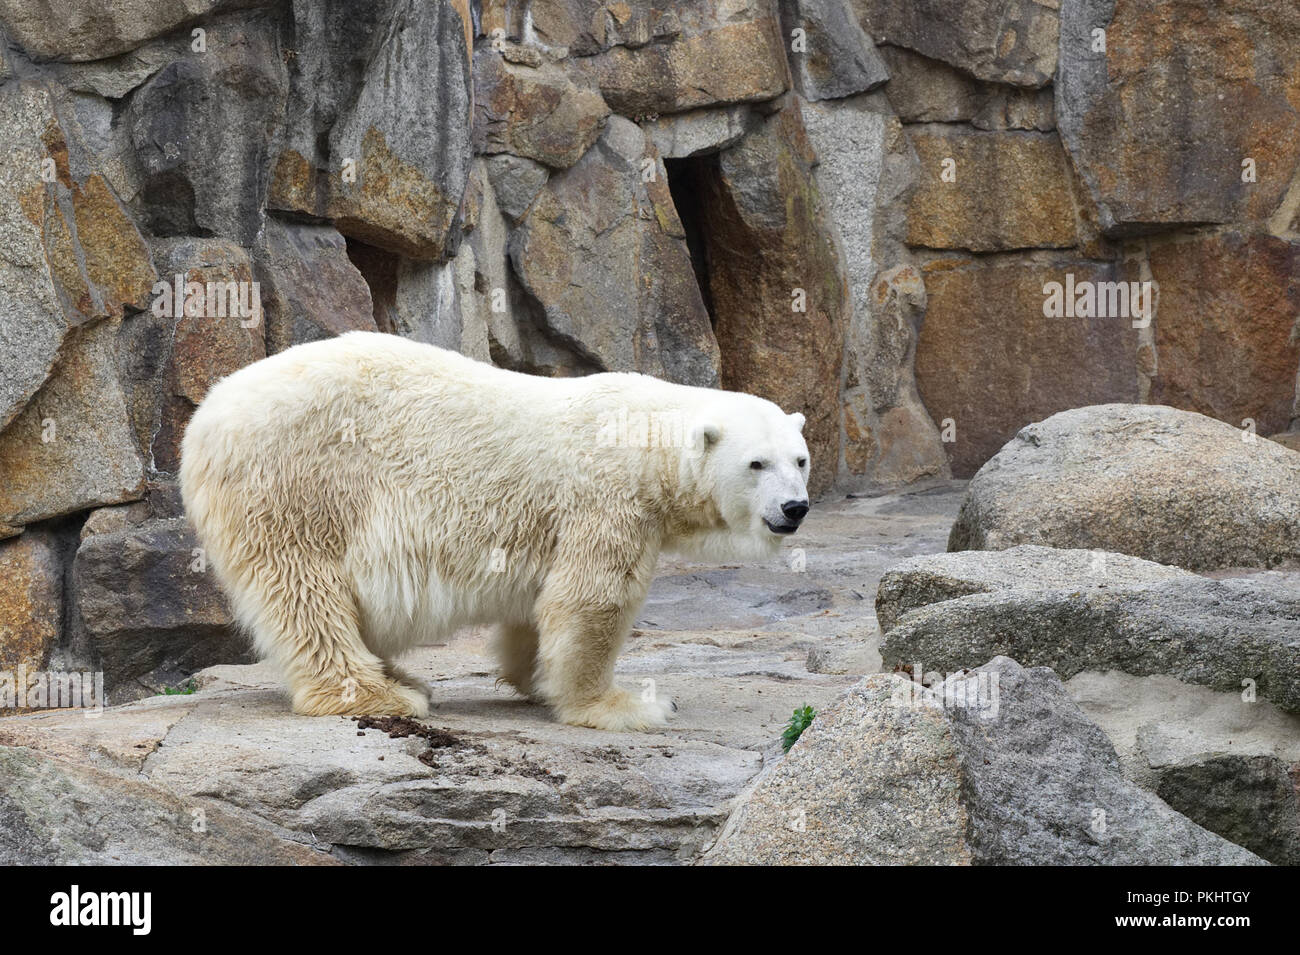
{"x":313,"y":632}
{"x":515,"y":647}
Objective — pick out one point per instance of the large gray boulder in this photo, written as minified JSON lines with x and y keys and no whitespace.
{"x":1171,"y":486}
{"x":1043,"y":784}
{"x":1250,"y":800}
{"x":871,"y":782}
{"x":1224,"y":634}
{"x":1217,"y":756}
{"x":994,"y":767}
{"x":921,"y":581}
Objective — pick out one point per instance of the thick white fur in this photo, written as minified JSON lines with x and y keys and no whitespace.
{"x":365,"y":494}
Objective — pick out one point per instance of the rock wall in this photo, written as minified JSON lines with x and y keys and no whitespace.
{"x":1144,"y":141}
{"x":853,"y":207}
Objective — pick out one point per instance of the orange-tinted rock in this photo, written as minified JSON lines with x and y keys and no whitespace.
{"x":579,"y":27}
{"x":890,"y":449}
{"x":1005,"y":190}
{"x":896,"y":310}
{"x":859,"y":438}
{"x":72,"y":447}
{"x":394,"y":203}
{"x":1223,"y":327}
{"x":117,"y":257}
{"x":1009,"y":107}
{"x":1186,"y":92}
{"x":991,"y":362}
{"x":706,"y":65}
{"x":653,"y":58}
{"x":72,"y":252}
{"x":101,"y":256}
{"x":31,"y":600}
{"x":211,"y":334}
{"x":908,"y":450}
{"x":923,"y":90}
{"x":889,"y":439}
{"x":536,"y":113}
{"x":779,"y":301}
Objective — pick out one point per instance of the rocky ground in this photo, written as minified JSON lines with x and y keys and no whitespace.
{"x":738,"y":647}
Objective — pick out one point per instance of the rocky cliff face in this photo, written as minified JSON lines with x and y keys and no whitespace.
{"x":853,"y":207}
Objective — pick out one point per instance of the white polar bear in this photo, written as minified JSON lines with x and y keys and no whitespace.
{"x":364,"y":494}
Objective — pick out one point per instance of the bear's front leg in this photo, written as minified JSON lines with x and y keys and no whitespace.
{"x":576,"y":653}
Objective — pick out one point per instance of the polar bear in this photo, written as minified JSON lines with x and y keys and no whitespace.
{"x":364,"y":494}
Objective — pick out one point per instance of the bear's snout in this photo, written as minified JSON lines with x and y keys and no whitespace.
{"x":794,"y":510}
{"x":793,"y":513}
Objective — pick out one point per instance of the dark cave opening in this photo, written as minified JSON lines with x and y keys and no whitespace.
{"x":379,"y":269}
{"x":690,"y":181}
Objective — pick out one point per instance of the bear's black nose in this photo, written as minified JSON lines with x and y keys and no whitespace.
{"x":794,"y":510}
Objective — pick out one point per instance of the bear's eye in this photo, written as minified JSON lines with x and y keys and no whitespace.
{"x":756,"y":465}
{"x":801,"y":462}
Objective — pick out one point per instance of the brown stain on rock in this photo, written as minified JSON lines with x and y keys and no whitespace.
{"x":392,"y":204}
{"x":31,"y":600}
{"x":1223,"y":329}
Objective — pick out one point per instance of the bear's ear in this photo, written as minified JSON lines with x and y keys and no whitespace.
{"x":798,"y":420}
{"x":704,"y":435}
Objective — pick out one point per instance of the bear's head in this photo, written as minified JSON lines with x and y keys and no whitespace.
{"x":748,"y":463}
